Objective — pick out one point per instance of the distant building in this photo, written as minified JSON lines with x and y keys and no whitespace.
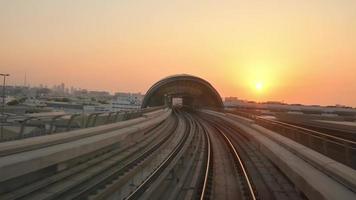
{"x":128,"y":98}
{"x":126,"y":101}
{"x":80,"y":92}
{"x":98,"y":93}
{"x":34,"y":102}
{"x":231,"y":99}
{"x":121,"y":102}
{"x":274,"y":103}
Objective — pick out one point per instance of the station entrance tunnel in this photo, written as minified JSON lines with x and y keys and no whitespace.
{"x":190,"y":90}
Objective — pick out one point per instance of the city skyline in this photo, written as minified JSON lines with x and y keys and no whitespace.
{"x":64,"y":86}
{"x":256,"y":50}
{"x":70,"y":89}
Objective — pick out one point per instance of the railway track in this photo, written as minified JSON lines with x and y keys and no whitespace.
{"x":189,"y":155}
{"x":259,"y":178}
{"x":248,"y":187}
{"x":225,"y":176}
{"x":179,"y":174}
{"x":80,"y":177}
{"x":174,"y":148}
{"x":205,"y":192}
{"x":109,"y":179}
{"x":221,"y":179}
{"x":145,"y":184}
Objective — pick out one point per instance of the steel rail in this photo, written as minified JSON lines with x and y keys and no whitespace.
{"x":208,"y":172}
{"x":114,"y":173}
{"x":57,"y":178}
{"x":241,"y":164}
{"x":144,"y":185}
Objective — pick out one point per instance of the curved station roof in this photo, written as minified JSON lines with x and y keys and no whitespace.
{"x":193,"y":90}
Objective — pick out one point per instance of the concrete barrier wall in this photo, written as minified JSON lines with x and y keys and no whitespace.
{"x":46,"y":140}
{"x":33,"y":126}
{"x":29,"y":161}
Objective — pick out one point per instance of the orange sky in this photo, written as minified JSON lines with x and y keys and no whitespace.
{"x":300,"y":51}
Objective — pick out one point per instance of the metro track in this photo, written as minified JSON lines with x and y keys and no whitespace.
{"x":190,"y":155}
{"x":81,"y":175}
{"x":225,"y":173}
{"x":248,"y":186}
{"x":173,"y":150}
{"x":149,"y":181}
{"x":110,"y":179}
{"x":258,"y":177}
{"x":179,"y":174}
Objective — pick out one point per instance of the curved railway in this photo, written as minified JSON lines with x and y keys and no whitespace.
{"x":258,"y":177}
{"x":90,"y":170}
{"x":127,"y":172}
{"x":189,"y":155}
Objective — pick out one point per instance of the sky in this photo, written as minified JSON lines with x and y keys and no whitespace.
{"x":295,"y":51}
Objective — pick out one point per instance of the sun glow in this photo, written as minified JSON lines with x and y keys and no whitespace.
{"x":259,"y":86}
{"x":259,"y":77}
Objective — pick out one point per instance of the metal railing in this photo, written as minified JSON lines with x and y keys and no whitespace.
{"x":337,"y":148}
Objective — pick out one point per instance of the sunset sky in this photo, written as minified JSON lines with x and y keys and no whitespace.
{"x":296,"y":51}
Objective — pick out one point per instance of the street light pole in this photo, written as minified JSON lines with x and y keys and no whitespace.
{"x":3,"y":104}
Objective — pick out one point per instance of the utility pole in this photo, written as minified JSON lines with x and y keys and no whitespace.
{"x":3,"y":105}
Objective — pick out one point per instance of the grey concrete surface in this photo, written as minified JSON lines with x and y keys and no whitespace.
{"x":313,"y":182}
{"x":29,"y":161}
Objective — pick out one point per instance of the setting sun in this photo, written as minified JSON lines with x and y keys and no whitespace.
{"x":255,"y":50}
{"x":259,"y":86}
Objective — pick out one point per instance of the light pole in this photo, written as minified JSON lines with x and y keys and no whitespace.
{"x":3,"y":104}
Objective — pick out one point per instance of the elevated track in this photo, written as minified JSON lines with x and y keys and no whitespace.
{"x":172,"y":154}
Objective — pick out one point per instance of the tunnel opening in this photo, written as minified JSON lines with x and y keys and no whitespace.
{"x":177,"y":102}
{"x":188,"y":90}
